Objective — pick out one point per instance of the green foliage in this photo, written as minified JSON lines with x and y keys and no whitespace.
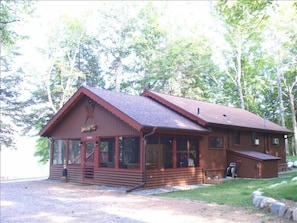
{"x":150,"y":47}
{"x":11,"y":105}
{"x":12,"y":12}
{"x":42,"y":150}
{"x":237,"y":192}
{"x":244,"y":22}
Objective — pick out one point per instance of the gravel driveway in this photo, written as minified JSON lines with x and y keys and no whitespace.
{"x":53,"y":201}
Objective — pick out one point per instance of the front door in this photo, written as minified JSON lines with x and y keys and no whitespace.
{"x":89,"y":158}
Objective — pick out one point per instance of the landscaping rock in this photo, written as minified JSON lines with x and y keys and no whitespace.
{"x":275,"y":207}
{"x":277,"y":184}
{"x":294,"y":179}
{"x":255,"y":199}
{"x":294,"y":214}
{"x":266,"y":203}
{"x":258,"y":201}
{"x":282,"y":211}
{"x":256,"y":193}
{"x":289,"y":214}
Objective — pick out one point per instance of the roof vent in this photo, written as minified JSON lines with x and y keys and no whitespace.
{"x":227,"y":118}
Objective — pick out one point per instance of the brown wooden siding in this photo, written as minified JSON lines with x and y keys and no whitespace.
{"x":265,"y":145}
{"x":107,"y":123}
{"x":253,"y":168}
{"x":133,"y":178}
{"x":173,"y":177}
{"x":213,"y":161}
{"x":270,"y":169}
{"x":74,"y":173}
{"x":55,"y":172}
{"x":118,"y":178}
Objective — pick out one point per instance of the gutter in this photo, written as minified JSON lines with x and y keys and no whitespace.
{"x":144,"y":166}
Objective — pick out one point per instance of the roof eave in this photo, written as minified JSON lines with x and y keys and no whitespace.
{"x":285,"y":132}
{"x":162,"y":128}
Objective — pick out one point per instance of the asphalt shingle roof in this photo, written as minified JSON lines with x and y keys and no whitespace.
{"x":215,"y":114}
{"x":154,"y":109}
{"x":256,"y":155}
{"x":146,"y":111}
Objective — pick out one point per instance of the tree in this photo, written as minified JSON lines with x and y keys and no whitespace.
{"x":243,"y":20}
{"x":149,"y":47}
{"x":12,"y":15}
{"x":11,"y":106}
{"x":64,"y":58}
{"x":114,"y":29}
{"x":281,"y":46}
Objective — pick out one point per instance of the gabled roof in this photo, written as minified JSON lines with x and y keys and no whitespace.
{"x":137,"y":111}
{"x":211,"y":115}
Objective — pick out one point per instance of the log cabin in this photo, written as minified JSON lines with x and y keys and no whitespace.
{"x":154,"y":140}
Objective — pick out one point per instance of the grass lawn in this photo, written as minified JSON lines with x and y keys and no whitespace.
{"x":291,"y":158}
{"x":237,"y":192}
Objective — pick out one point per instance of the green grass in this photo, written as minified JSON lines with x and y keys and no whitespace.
{"x":286,"y":191}
{"x":291,"y":158}
{"x":237,"y":192}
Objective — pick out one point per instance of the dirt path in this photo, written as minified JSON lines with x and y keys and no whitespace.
{"x":51,"y":201}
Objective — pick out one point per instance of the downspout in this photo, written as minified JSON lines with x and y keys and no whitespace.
{"x":144,"y":165}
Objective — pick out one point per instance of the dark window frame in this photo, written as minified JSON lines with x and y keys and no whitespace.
{"x":236,"y":137}
{"x":216,"y":142}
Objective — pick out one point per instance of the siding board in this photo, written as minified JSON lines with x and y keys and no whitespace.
{"x":173,"y":177}
{"x":117,"y":178}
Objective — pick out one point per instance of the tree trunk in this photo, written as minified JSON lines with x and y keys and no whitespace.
{"x":118,"y":71}
{"x":239,"y":74}
{"x":281,"y":102}
{"x":294,"y":122}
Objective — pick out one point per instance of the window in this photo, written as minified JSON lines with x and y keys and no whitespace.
{"x":216,"y":142}
{"x":187,"y":152}
{"x":275,"y":141}
{"x":236,"y":137}
{"x":107,"y":152}
{"x":129,"y":152}
{"x":59,"y":156}
{"x":74,"y":157}
{"x":255,"y":139}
